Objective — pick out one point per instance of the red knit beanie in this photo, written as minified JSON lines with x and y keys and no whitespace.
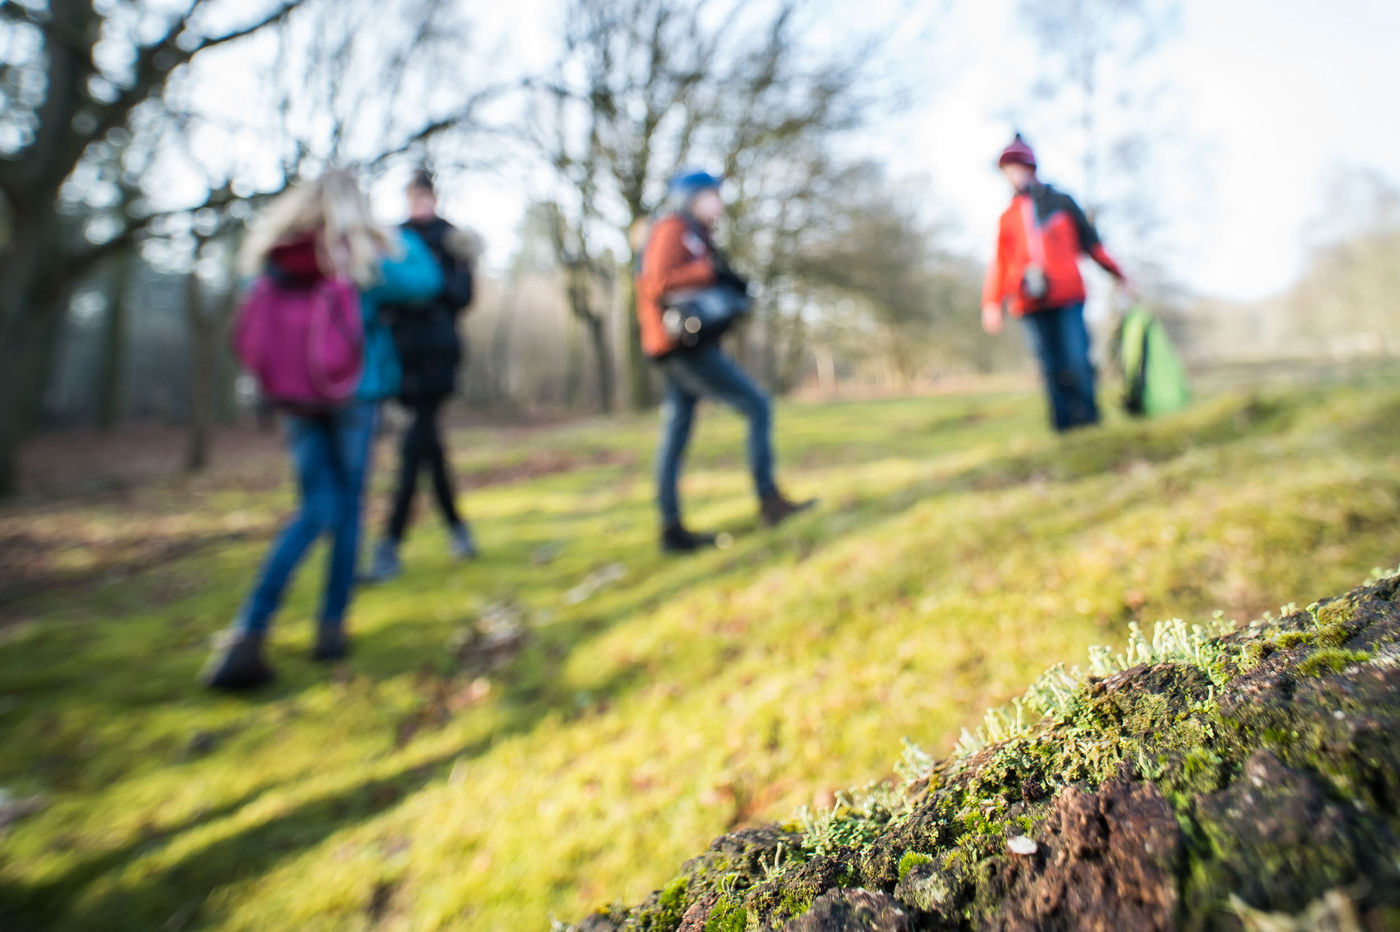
{"x":1018,"y":152}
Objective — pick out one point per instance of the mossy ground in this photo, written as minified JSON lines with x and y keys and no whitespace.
{"x":1201,"y":784}
{"x":442,"y":780}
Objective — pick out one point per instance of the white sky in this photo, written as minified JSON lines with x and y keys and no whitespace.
{"x":1269,"y":95}
{"x":1266,"y":97}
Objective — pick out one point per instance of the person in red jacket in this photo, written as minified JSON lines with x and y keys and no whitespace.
{"x":680,"y":255}
{"x":1036,"y":275}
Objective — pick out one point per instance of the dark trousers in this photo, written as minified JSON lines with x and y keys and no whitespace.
{"x":422,"y":446}
{"x":1060,"y":341}
{"x":706,"y":372}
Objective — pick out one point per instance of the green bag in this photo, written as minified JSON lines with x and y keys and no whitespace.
{"x":1155,"y":377}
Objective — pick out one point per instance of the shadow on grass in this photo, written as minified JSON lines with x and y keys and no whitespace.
{"x":175,"y":895}
{"x":531,"y":691}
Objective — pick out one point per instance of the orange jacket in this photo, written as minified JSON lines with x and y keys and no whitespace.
{"x":673,"y":258}
{"x":1064,"y":233}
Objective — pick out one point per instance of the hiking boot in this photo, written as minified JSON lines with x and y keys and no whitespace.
{"x":676,"y":539}
{"x":331,"y":644}
{"x":237,"y":663}
{"x":384,"y":564}
{"x":463,"y":547}
{"x":777,"y":508}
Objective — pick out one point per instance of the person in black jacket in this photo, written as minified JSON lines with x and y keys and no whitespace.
{"x":430,"y":351}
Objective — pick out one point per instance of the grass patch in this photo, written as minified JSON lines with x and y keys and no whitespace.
{"x":651,"y":704}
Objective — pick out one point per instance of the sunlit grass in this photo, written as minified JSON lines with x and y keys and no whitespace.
{"x":959,"y":550}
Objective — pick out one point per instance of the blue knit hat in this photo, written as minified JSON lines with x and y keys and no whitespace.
{"x":687,"y":183}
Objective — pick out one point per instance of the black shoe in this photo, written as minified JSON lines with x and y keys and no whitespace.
{"x":676,"y":539}
{"x":777,"y":508}
{"x":331,"y":644}
{"x":237,"y":663}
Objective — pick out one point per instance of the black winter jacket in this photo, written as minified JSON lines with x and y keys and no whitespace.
{"x":429,"y":346}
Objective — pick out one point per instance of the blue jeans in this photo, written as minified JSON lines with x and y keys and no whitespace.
{"x":1060,"y":340}
{"x":331,"y":455}
{"x":706,"y":372}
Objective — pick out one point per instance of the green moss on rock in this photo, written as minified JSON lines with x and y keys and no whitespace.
{"x":1331,"y":660}
{"x":1245,"y":773}
{"x":911,"y":860}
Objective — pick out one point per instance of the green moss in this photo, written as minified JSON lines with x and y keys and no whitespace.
{"x":728,"y":915}
{"x":1202,"y":771}
{"x":911,"y":860}
{"x":663,"y":912}
{"x":1256,"y":652}
{"x":1291,"y":639}
{"x":1336,"y":612}
{"x":672,"y":897}
{"x":794,"y":903}
{"x":1331,"y":660}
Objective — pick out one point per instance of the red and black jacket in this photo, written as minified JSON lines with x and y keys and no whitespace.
{"x":676,"y":256}
{"x":1064,"y":233}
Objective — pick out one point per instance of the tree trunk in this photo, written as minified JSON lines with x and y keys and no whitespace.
{"x":573,"y":362}
{"x":640,"y":395}
{"x":768,"y":350}
{"x":111,"y":378}
{"x":28,"y":285}
{"x":826,"y":370}
{"x":790,"y":375}
{"x":602,"y":350}
{"x":226,"y":385}
{"x":499,"y":381}
{"x":19,"y":374}
{"x":202,"y":360}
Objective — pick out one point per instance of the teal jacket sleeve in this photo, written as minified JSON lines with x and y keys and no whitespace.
{"x":413,"y":276}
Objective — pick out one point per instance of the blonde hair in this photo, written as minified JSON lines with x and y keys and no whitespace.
{"x":349,"y":241}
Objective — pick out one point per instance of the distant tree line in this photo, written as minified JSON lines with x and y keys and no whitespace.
{"x":117,"y":283}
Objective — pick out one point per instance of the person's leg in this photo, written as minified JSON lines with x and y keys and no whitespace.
{"x":384,"y":560}
{"x":436,"y":454}
{"x":677,"y":418}
{"x":1043,"y":333}
{"x":1078,"y":374}
{"x":410,"y":463}
{"x":237,"y":662}
{"x":435,"y":451}
{"x":311,"y":444}
{"x":354,"y":438}
{"x":719,"y":377}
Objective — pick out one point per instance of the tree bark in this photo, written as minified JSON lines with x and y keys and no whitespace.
{"x":573,"y":363}
{"x":640,"y":395}
{"x":111,"y":379}
{"x":201,"y":386}
{"x":499,"y":381}
{"x":30,"y":287}
{"x":598,"y":336}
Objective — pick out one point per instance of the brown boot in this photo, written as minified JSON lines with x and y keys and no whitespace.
{"x":775,"y":509}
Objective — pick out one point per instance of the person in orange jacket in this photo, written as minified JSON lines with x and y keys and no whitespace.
{"x":680,"y":255}
{"x":1036,"y":275}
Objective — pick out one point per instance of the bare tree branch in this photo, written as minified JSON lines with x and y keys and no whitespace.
{"x":154,"y":62}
